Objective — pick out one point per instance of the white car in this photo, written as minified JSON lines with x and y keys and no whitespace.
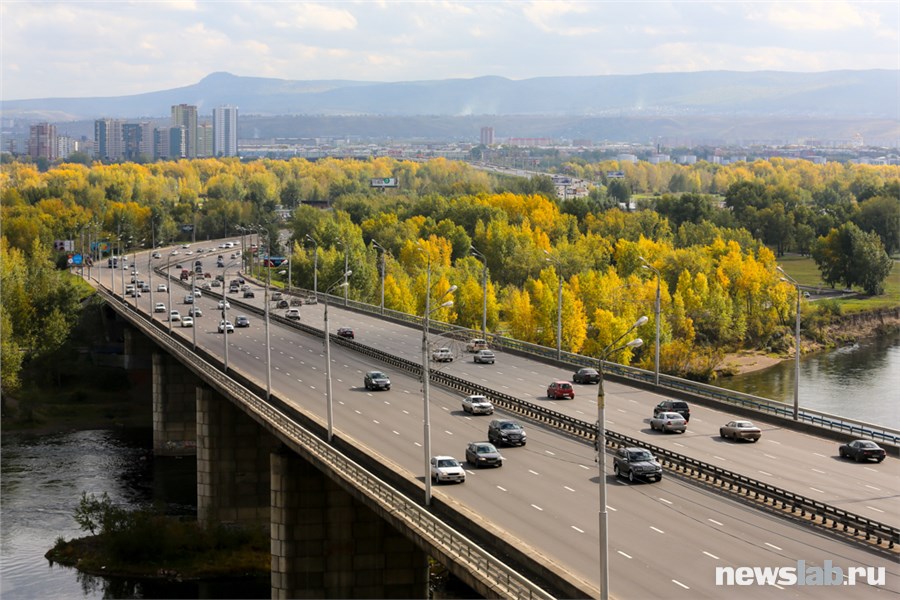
{"x":195,"y":312}
{"x":159,"y":307}
{"x":293,"y":313}
{"x":162,"y":288}
{"x":174,"y":315}
{"x":187,"y":321}
{"x":174,"y":252}
{"x":226,"y":326}
{"x":484,"y":356}
{"x":442,"y":355}
{"x":189,"y":299}
{"x":476,"y":344}
{"x":157,"y":255}
{"x":224,"y":304}
{"x":477,"y":405}
{"x":447,"y":468}
{"x":198,"y":294}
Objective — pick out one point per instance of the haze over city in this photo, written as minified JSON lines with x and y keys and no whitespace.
{"x":84,"y":49}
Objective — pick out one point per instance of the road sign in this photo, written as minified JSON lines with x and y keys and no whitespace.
{"x":77,"y":259}
{"x":384,"y":182}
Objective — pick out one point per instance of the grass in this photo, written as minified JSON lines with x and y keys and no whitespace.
{"x":805,"y":271}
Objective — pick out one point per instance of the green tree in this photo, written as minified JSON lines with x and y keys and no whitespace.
{"x":849,"y":256}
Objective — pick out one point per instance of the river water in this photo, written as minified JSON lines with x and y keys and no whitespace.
{"x":861,"y":381}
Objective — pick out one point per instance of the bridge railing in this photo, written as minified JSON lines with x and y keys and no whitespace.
{"x":502,"y":578}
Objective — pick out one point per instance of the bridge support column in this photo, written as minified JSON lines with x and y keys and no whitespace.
{"x":174,"y":407}
{"x":232,"y":463}
{"x":327,"y":544}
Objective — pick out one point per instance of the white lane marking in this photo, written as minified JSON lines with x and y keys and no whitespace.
{"x":357,"y":412}
{"x":819,"y":471}
{"x":676,"y":582}
{"x":550,"y":453}
{"x":417,"y":444}
{"x":871,"y":469}
{"x":341,"y":402}
{"x":774,"y":442}
{"x":502,"y":489}
{"x":712,"y":556}
{"x":623,"y":554}
{"x":579,"y":412}
{"x":718,"y":457}
{"x":395,"y":432}
{"x":666,"y":501}
{"x":312,"y":387}
{"x":621,"y":411}
{"x":769,"y":455}
{"x":772,"y":546}
{"x":577,"y":529}
{"x":656,"y":530}
{"x":875,"y":509}
{"x":764,"y":472}
{"x":568,"y":488}
{"x":817,"y":490}
{"x":872,"y":487}
{"x":533,"y":472}
{"x":713,"y":521}
{"x":405,"y":412}
{"x":584,"y":466}
{"x":608,"y":507}
{"x":677,"y":444}
{"x":448,"y":432}
{"x":822,"y":455}
{"x":537,"y":507}
{"x":376,"y":421}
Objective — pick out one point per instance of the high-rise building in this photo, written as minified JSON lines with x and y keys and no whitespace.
{"x":42,"y":141}
{"x":109,"y":141}
{"x":204,"y":139}
{"x":185,"y":115}
{"x":132,"y":141}
{"x":225,"y":131}
{"x":487,"y":136}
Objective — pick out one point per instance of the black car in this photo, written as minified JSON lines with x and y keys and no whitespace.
{"x":637,"y":463}
{"x":345,"y":332}
{"x":586,"y":375}
{"x":679,"y":406}
{"x":862,"y":450}
{"x":504,"y":431}
{"x":483,"y":454}
{"x":376,"y":380}
{"x":242,"y":321}
{"x":249,"y":294}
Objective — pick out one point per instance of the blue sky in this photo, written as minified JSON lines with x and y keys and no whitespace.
{"x":72,"y":48}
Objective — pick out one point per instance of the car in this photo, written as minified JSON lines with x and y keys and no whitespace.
{"x":506,"y":432}
{"x":156,"y":255}
{"x":346,"y":332}
{"x":174,"y":252}
{"x":442,"y":355}
{"x":276,"y":296}
{"x":129,"y":289}
{"x":223,"y":304}
{"x":198,"y":293}
{"x":195,"y":312}
{"x":189,"y":299}
{"x":668,"y":421}
{"x":447,"y":468}
{"x":292,"y":313}
{"x":586,"y":375}
{"x":178,"y":266}
{"x":476,"y":344}
{"x":162,"y":288}
{"x":174,"y":315}
{"x":679,"y":406}
{"x":242,"y":321}
{"x":282,"y":304}
{"x":310,"y":300}
{"x":740,"y":430}
{"x":376,"y":380}
{"x":220,"y":264}
{"x":483,"y":454}
{"x":249,"y":294}
{"x":144,"y":287}
{"x":226,"y":326}
{"x":185,"y":246}
{"x":189,"y":252}
{"x":477,"y":405}
{"x":198,"y":263}
{"x":636,"y":463}
{"x":233,"y":289}
{"x":485,"y":356}
{"x":187,"y":321}
{"x":215,"y":283}
{"x":159,"y":307}
{"x":560,"y":389}
{"x":862,"y":450}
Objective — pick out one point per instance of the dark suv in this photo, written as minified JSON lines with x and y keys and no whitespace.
{"x":636,"y":463}
{"x":376,"y":380}
{"x":678,"y":406}
{"x":504,"y":431}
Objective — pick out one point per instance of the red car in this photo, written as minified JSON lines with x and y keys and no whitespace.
{"x":560,"y":389}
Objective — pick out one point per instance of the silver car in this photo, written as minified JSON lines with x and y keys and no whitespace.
{"x":447,"y":468}
{"x":477,"y":405}
{"x":668,"y":421}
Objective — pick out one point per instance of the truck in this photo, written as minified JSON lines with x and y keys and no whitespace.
{"x":185,"y":274}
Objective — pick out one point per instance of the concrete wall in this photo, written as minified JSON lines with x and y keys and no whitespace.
{"x":174,"y":407}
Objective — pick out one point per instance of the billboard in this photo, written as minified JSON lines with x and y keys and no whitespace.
{"x":384,"y":182}
{"x":64,"y":245}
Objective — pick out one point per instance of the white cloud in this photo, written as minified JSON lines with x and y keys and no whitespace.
{"x":815,"y":16}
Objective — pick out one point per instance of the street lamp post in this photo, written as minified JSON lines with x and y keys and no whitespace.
{"x":383,"y":251}
{"x":169,"y":293}
{"x":426,"y":373}
{"x":484,"y":271}
{"x":315,"y":264}
{"x":601,"y":453}
{"x":343,"y":244}
{"x":788,"y":279}
{"x":556,"y":262}
{"x":329,"y":404}
{"x":225,"y":317}
{"x":268,"y":343}
{"x":650,"y":267}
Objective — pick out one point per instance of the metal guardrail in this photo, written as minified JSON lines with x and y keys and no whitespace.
{"x":502,"y":578}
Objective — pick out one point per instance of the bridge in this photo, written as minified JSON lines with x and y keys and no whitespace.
{"x":347,"y":518}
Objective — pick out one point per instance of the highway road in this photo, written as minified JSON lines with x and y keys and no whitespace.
{"x":666,"y":539}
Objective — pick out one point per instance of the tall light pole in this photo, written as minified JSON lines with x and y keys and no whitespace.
{"x":601,"y":452}
{"x":788,"y":279}
{"x":484,"y":270}
{"x":225,"y":317}
{"x":169,"y":292}
{"x":426,"y":371}
{"x":650,"y":267}
{"x":343,"y":244}
{"x":268,"y":343}
{"x":383,"y":251}
{"x":193,"y":304}
{"x":556,"y":262}
{"x":315,"y":264}
{"x":329,"y":404}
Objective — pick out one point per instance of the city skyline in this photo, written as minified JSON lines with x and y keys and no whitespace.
{"x":114,"y":49}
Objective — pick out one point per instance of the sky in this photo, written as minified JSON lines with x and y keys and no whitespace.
{"x":115,"y":48}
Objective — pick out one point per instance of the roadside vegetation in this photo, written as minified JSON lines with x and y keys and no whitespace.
{"x":714,"y":233}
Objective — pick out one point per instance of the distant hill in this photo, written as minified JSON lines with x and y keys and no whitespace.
{"x":869,"y":94}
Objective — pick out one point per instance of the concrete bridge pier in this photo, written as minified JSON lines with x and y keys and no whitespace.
{"x":174,"y":407}
{"x":328,"y":544}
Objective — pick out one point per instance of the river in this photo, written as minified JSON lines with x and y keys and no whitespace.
{"x":861,"y":381}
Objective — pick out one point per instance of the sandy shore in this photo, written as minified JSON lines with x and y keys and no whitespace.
{"x":747,"y":362}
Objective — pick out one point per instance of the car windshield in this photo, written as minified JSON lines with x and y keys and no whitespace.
{"x":867,"y":445}
{"x":744,"y":424}
{"x":508,"y":426}
{"x":639,"y":455}
{"x":376,"y":375}
{"x":448,"y":462}
{"x":481,"y":449}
